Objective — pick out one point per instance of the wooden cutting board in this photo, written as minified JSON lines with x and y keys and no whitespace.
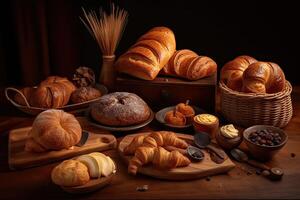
{"x":204,"y":168}
{"x":18,"y":158}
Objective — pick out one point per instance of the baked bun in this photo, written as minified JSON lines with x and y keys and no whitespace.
{"x":120,"y":109}
{"x":53,"y":130}
{"x":175,"y":118}
{"x":246,"y":74}
{"x":84,"y":94}
{"x":263,"y":77}
{"x":232,"y":71}
{"x":70,"y":173}
{"x":54,"y":92}
{"x":149,"y":54}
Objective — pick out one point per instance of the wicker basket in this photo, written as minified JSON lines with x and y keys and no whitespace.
{"x":247,"y":109}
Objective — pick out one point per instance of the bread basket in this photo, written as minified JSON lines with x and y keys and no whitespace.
{"x":247,"y":109}
{"x":72,"y":108}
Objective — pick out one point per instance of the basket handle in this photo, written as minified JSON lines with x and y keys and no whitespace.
{"x":17,"y":91}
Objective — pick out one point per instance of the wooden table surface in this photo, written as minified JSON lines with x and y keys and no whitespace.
{"x":240,"y":183}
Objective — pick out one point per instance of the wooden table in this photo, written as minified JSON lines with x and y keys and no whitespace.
{"x":240,"y":183}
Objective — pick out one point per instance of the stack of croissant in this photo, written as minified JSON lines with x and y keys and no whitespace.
{"x":150,"y":149}
{"x":155,"y":51}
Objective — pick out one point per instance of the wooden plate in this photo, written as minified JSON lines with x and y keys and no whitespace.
{"x":160,"y":117}
{"x":92,"y":185}
{"x":195,"y":170}
{"x":18,"y":158}
{"x":118,"y":128}
{"x":72,"y":108}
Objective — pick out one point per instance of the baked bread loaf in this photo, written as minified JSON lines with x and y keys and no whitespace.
{"x":84,"y":94}
{"x":120,"y":109}
{"x":54,"y":92}
{"x":246,"y":74}
{"x":70,"y":173}
{"x":187,"y":64}
{"x":149,"y":54}
{"x":53,"y":130}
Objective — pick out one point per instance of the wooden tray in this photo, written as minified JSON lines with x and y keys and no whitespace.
{"x":204,"y":168}
{"x":18,"y":158}
{"x":71,"y":108}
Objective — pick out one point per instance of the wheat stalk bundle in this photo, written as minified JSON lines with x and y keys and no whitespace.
{"x":107,"y":29}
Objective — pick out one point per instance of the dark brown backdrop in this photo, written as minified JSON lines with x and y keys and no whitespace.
{"x":40,"y":37}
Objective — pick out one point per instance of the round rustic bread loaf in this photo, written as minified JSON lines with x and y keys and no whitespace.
{"x":120,"y":109}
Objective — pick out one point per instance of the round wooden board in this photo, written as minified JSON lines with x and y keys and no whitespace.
{"x":195,"y":170}
{"x":92,"y":185}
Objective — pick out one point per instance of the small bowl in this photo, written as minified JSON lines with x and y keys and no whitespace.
{"x":210,"y":128}
{"x":263,"y":153}
{"x":229,"y":143}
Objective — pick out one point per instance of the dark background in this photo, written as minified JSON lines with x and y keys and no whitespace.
{"x":40,"y":37}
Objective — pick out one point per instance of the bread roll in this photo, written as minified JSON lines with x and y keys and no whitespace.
{"x":54,"y":92}
{"x":70,"y":173}
{"x":187,"y":64}
{"x":53,"y":130}
{"x":232,"y":72}
{"x":83,"y":94}
{"x":246,"y":74}
{"x":149,"y":55}
{"x":120,"y":109}
{"x":263,"y":77}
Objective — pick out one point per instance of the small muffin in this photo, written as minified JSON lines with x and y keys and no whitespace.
{"x":175,"y":118}
{"x":186,"y":110}
{"x":70,"y":173}
{"x":84,"y":94}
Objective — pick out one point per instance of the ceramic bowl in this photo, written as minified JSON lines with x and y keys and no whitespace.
{"x":260,"y":152}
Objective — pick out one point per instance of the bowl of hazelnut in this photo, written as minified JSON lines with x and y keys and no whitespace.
{"x":264,"y":141}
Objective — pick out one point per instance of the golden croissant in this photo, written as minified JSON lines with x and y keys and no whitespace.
{"x":53,"y":130}
{"x":159,"y":157}
{"x":155,"y":139}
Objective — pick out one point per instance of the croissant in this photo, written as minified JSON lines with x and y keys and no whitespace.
{"x":53,"y":92}
{"x":53,"y":130}
{"x":232,"y":72}
{"x":155,"y":139}
{"x":135,"y":143}
{"x":159,"y":157}
{"x":149,"y":55}
{"x":187,"y":64}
